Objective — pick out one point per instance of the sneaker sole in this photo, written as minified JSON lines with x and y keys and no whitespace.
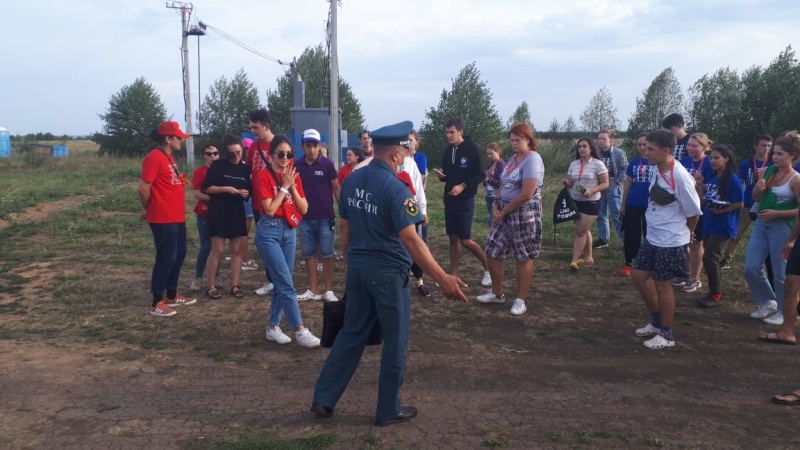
{"x":157,"y":314}
{"x":172,"y":305}
{"x":519,"y":313}
{"x":279,"y":342}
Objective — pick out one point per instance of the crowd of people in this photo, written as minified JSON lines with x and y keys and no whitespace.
{"x":680,"y":207}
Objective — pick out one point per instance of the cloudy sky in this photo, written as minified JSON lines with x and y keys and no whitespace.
{"x":60,"y":61}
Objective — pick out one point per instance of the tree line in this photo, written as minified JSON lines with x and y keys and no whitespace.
{"x":728,"y":106}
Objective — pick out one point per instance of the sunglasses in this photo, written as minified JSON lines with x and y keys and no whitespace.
{"x":212,"y":154}
{"x":287,"y":155}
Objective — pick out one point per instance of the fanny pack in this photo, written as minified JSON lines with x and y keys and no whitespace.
{"x":290,"y":213}
{"x":661,"y":196}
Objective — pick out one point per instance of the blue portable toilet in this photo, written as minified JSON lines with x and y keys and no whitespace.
{"x":5,"y":143}
{"x":60,"y":151}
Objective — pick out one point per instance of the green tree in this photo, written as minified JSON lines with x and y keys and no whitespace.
{"x":555,"y":126}
{"x":600,"y":113}
{"x":663,"y":97}
{"x":226,"y":106}
{"x":521,"y":114}
{"x":716,"y":106}
{"x":569,"y":125}
{"x":312,"y":66}
{"x":470,"y":99}
{"x":132,"y":113}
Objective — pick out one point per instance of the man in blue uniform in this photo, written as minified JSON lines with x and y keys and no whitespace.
{"x":377,"y":229}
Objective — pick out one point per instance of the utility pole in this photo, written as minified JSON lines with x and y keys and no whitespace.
{"x":334,"y":69}
{"x":186,"y":12}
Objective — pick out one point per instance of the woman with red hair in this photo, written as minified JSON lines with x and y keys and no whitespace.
{"x":516,"y":218}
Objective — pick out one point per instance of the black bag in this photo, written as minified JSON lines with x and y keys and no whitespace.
{"x":565,"y":210}
{"x":333,"y":320}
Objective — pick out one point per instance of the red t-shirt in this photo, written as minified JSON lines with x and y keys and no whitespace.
{"x":264,"y":187}
{"x":199,"y":175}
{"x":254,"y":161}
{"x":167,"y":196}
{"x":344,"y":172}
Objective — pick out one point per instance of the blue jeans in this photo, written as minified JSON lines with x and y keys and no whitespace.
{"x":609,"y":204}
{"x":372,"y":296}
{"x":276,"y":242}
{"x":170,"y":243}
{"x":205,"y":246}
{"x":313,"y":233}
{"x":767,"y":238}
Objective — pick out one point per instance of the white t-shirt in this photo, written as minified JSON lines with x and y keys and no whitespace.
{"x":410,"y":167}
{"x":588,"y":179}
{"x":666,"y":225}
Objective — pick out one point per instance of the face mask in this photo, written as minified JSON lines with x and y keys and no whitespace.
{"x":399,"y":167}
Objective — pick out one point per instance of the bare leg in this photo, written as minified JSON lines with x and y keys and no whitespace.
{"x":311,"y":271}
{"x":237,"y":249}
{"x":647,"y":289}
{"x":217,"y":248}
{"x":496,"y":271}
{"x":476,"y":250}
{"x":524,"y":278}
{"x":455,"y":255}
{"x":666,"y":302}
{"x":695,"y":259}
{"x":791,"y":288}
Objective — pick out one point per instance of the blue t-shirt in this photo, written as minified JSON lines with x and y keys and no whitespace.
{"x":724,"y":224}
{"x":641,"y":174}
{"x":377,"y":205}
{"x":422,"y":163}
{"x":747,"y":174}
{"x":702,"y":166}
{"x":514,"y":174}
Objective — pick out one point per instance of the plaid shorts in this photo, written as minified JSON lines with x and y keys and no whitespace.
{"x":520,"y":233}
{"x":665,"y":263}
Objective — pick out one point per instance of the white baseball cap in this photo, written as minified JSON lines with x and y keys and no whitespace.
{"x":311,"y":135}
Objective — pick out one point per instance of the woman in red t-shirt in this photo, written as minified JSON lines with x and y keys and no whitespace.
{"x":210,"y":154}
{"x":354,"y":156}
{"x":283,"y":201}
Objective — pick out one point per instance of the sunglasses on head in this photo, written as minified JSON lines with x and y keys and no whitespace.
{"x":212,"y":153}
{"x":287,"y":155}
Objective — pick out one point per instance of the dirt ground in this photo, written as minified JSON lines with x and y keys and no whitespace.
{"x":569,"y":373}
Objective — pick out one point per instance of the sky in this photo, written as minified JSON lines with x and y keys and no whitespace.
{"x":60,"y":62}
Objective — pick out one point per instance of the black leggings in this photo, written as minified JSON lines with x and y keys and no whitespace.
{"x":416,"y":270}
{"x":635,"y":228}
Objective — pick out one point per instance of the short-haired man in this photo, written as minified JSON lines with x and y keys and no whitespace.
{"x":611,"y":199}
{"x":748,"y":173}
{"x":366,"y":142}
{"x":257,"y":160}
{"x":462,"y":172}
{"x":377,"y":230}
{"x":672,"y":214}
{"x":320,"y":184}
{"x":675,"y":123}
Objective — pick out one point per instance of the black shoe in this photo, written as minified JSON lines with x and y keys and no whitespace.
{"x":724,"y":265}
{"x":406,"y":413}
{"x":600,"y":243}
{"x":321,"y":410}
{"x":708,"y":302}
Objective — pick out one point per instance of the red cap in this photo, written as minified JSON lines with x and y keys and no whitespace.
{"x":171,"y":129}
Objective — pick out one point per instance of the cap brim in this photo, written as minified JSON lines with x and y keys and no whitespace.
{"x":312,"y":140}
{"x":182,"y":135}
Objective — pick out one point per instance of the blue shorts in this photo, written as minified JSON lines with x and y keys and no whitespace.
{"x":248,"y":208}
{"x":458,"y":217}
{"x":316,"y":233}
{"x":665,"y":263}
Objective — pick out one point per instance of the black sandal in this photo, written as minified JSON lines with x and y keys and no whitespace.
{"x":236,"y":291}
{"x":212,"y":293}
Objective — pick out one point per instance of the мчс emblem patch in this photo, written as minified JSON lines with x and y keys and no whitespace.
{"x":410,"y":205}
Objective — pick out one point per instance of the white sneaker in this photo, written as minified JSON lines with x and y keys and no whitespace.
{"x":277,"y":335}
{"x":647,"y":330}
{"x":249,"y":265}
{"x":491,"y":297}
{"x":319,"y":267}
{"x":766,"y":309}
{"x":265,"y":289}
{"x":775,"y":319}
{"x":197,"y":284}
{"x":518,"y":308}
{"x":328,"y":296}
{"x":308,"y":295}
{"x":658,"y":342}
{"x":486,"y":281}
{"x":306,"y":339}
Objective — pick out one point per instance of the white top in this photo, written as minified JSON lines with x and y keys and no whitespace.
{"x":410,"y":167}
{"x":666,"y":225}
{"x":586,"y":179}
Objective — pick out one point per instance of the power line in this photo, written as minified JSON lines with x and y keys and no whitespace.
{"x":241,"y":44}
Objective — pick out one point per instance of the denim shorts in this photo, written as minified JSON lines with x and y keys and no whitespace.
{"x":314,"y":233}
{"x":248,"y":208}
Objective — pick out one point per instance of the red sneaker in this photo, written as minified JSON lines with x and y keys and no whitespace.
{"x":625,"y":271}
{"x":180,"y":300}
{"x":162,"y":310}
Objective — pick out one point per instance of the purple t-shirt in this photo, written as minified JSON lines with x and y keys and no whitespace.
{"x":317,"y":186}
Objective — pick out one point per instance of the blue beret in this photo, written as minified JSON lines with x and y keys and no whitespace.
{"x":396,"y":134}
